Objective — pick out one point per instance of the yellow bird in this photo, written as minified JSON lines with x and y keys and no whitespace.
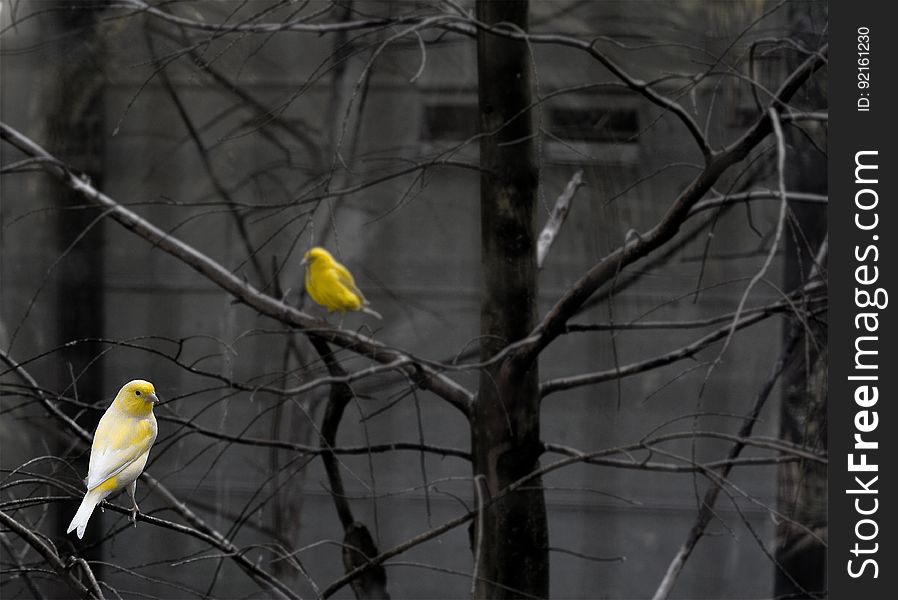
{"x":331,"y":285}
{"x":121,"y":446}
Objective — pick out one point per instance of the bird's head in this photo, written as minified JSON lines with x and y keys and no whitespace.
{"x":137,"y":397}
{"x":316,"y":253}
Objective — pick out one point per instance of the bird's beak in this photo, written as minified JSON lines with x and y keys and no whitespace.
{"x":154,"y":398}
{"x":303,"y":261}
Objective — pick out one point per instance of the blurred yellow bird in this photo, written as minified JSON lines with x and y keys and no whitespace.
{"x":331,"y":285}
{"x":121,"y":446}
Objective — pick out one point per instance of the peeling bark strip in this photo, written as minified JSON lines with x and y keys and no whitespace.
{"x":557,"y":218}
{"x":513,"y":534}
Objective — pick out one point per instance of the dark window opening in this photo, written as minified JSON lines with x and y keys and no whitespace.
{"x":450,"y":121}
{"x":594,"y":124}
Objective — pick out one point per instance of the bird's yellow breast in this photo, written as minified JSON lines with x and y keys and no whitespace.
{"x":124,"y":432}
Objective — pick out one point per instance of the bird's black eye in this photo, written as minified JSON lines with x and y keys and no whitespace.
{"x":137,"y":393}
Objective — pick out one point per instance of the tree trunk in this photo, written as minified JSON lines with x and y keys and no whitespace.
{"x":75,"y":132}
{"x":510,"y":550}
{"x":802,"y":486}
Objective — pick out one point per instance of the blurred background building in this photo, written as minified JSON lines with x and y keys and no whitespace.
{"x":242,"y":145}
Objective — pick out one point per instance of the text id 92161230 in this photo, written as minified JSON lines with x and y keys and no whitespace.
{"x":863,"y":69}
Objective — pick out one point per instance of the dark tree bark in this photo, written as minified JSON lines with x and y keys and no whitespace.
{"x":802,"y":487}
{"x":75,"y":130}
{"x":511,"y":549}
{"x":358,"y":544}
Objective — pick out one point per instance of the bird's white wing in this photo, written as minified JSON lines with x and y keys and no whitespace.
{"x":118,"y":442}
{"x":109,"y":464}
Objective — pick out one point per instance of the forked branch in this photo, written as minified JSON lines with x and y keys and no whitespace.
{"x":553,"y":324}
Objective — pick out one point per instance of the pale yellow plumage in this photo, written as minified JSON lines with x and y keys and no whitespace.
{"x":120,"y":449}
{"x":331,"y":285}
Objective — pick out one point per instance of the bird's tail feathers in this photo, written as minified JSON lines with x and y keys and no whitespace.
{"x":372,"y":312}
{"x":79,"y":521}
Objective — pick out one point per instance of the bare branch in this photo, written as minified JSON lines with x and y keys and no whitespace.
{"x":795,"y":116}
{"x":637,"y":85}
{"x":575,"y":458}
{"x":275,"y":194}
{"x":637,"y":324}
{"x":605,"y":270}
{"x":706,"y":509}
{"x":212,"y":536}
{"x":757,"y":195}
{"x":297,"y":25}
{"x":52,"y":558}
{"x":662,"y":467}
{"x":774,"y":245}
{"x":26,"y":575}
{"x":422,"y":375}
{"x":737,"y":322}
{"x":793,"y":451}
{"x":358,"y":545}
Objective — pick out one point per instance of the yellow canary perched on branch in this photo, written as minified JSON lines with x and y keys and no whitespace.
{"x":121,"y":446}
{"x":331,"y":285}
